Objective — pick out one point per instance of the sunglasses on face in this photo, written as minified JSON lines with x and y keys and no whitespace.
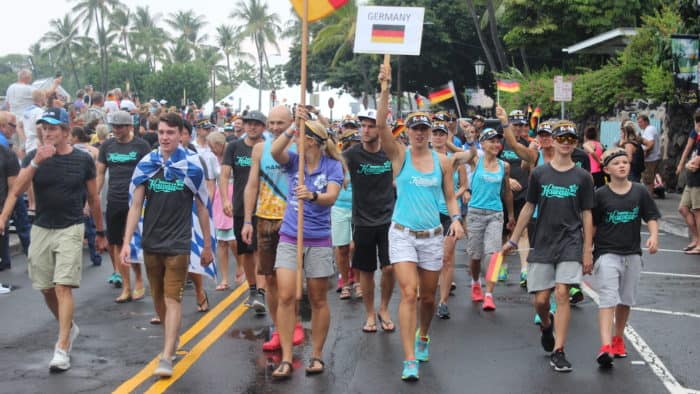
{"x":566,"y":139}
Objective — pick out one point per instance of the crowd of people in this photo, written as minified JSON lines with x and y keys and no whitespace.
{"x":377,"y":195}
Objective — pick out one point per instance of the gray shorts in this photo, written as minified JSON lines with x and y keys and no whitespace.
{"x":318,"y":260}
{"x":617,"y":278}
{"x":484,"y":232}
{"x":543,"y":276}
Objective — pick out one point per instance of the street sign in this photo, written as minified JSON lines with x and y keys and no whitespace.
{"x":562,"y":90}
{"x":389,"y":30}
{"x":331,"y":102}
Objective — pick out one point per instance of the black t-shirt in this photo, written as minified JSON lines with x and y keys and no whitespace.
{"x":121,"y":159}
{"x":560,"y":198}
{"x":9,"y":166}
{"x":372,"y":180}
{"x":618,"y":219}
{"x":231,"y":138}
{"x":581,"y":159}
{"x":151,"y":138}
{"x":59,"y":187}
{"x":516,"y":171}
{"x":237,"y":156}
{"x":167,"y":218}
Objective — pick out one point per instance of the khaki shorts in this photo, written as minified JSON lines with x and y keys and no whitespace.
{"x":691,"y":197}
{"x":650,"y":171}
{"x":55,"y":256}
{"x":166,"y":275}
{"x":268,"y":237}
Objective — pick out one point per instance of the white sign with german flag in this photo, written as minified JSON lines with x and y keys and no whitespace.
{"x":389,"y":30}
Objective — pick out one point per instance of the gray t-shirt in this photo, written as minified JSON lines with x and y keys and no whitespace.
{"x":560,"y":198}
{"x":651,"y":134}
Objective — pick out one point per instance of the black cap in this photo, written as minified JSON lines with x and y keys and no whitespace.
{"x":440,"y":126}
{"x":488,"y":134}
{"x":564,"y":127}
{"x":54,"y":116}
{"x":417,"y":119}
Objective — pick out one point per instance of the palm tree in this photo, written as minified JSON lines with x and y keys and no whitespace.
{"x":63,"y":38}
{"x":188,"y":25}
{"x":120,"y":21}
{"x":229,"y":41}
{"x":147,"y":39}
{"x":261,"y":27}
{"x":97,"y":12}
{"x":339,"y":33}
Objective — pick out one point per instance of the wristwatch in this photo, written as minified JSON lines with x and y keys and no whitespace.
{"x":315,"y":197}
{"x":100,"y":233}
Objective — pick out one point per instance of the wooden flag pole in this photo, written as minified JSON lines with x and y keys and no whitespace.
{"x":387,"y":58}
{"x":300,"y":147}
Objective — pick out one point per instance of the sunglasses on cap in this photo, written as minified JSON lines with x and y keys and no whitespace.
{"x":566,"y":139}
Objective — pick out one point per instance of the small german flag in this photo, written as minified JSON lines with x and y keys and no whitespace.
{"x":388,"y":34}
{"x":508,"y":86}
{"x":444,"y":92}
{"x":535,"y":119}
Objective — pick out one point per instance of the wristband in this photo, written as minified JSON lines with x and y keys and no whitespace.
{"x":290,"y":136}
{"x":33,"y":164}
{"x":456,"y":217}
{"x":505,"y":125}
{"x":513,"y":244}
{"x":100,"y":233}
{"x":469,"y":191}
{"x":251,"y":223}
{"x":315,"y":197}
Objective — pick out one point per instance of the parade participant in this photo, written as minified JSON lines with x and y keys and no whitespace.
{"x":689,"y":206}
{"x":651,"y":143}
{"x":479,"y":122}
{"x":632,"y":144}
{"x":120,"y":155}
{"x":200,"y":142}
{"x":63,"y":177}
{"x":237,"y":160}
{"x":266,"y":194}
{"x":491,"y":193}
{"x":423,"y":179}
{"x":9,"y":168}
{"x":341,"y":216}
{"x":373,"y":200}
{"x":81,"y":141}
{"x":322,"y":182}
{"x":167,"y":180}
{"x":594,"y":149}
{"x":563,"y":194}
{"x":620,"y":207}
{"x":440,"y":137}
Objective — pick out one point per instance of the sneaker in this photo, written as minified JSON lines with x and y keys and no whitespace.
{"x":60,"y":361}
{"x":575,"y":295}
{"x":605,"y":358}
{"x":503,"y":274}
{"x":340,"y":284}
{"x":552,"y":310}
{"x":523,"y":279}
{"x":489,"y":305}
{"x":3,"y":289}
{"x":443,"y":312}
{"x":273,"y":343}
{"x":477,"y":294}
{"x":547,"y":336}
{"x":164,"y":368}
{"x":111,"y":278}
{"x":117,"y":281}
{"x":258,"y":302}
{"x":558,"y":361}
{"x":74,"y":332}
{"x":453,"y":286}
{"x":249,"y":301}
{"x":298,"y":337}
{"x":410,"y":371}
{"x":96,"y":260}
{"x":618,"y":347}
{"x":422,"y":348}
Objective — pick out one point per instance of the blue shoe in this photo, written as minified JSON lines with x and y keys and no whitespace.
{"x":117,"y":282}
{"x":523,"y":279}
{"x":552,"y":310}
{"x":503,"y":274}
{"x":410,"y":371}
{"x":422,"y":348}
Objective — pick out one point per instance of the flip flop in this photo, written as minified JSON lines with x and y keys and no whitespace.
{"x":200,"y":305}
{"x":123,"y":300}
{"x":223,"y":287}
{"x":369,"y":327}
{"x":310,"y":370}
{"x":155,"y":320}
{"x":283,"y":371}
{"x":387,"y":325}
{"x":693,"y":252}
{"x":689,"y":247}
{"x":138,"y":294}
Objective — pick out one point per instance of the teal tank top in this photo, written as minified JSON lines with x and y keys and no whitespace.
{"x":455,"y":182}
{"x":418,"y":195}
{"x":486,"y":187}
{"x":344,"y":199}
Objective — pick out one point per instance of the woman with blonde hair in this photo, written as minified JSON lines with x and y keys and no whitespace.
{"x":323,"y":179}
{"x":632,"y":144}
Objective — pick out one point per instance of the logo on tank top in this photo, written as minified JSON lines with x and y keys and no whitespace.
{"x":509,"y":155}
{"x":422,"y":181}
{"x":163,"y":186}
{"x":244,"y":161}
{"x":617,"y":217}
{"x":554,"y":191}
{"x":121,"y":157}
{"x":373,"y":169}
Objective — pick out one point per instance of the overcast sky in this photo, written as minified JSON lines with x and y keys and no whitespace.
{"x":26,"y":21}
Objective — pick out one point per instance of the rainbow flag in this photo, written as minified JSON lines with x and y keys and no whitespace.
{"x":388,"y":34}
{"x":508,"y":86}
{"x":444,"y":92}
{"x":318,"y":9}
{"x":494,"y":267}
{"x":535,"y":119}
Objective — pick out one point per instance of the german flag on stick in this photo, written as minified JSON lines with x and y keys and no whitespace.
{"x":444,"y":92}
{"x":508,"y":86}
{"x":388,"y":34}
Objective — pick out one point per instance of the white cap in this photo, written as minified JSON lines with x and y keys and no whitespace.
{"x":163,"y":101}
{"x":368,"y":114}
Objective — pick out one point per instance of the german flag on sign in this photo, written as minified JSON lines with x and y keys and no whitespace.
{"x":388,"y":34}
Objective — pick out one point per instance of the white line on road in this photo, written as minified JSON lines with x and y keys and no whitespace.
{"x":671,"y":274}
{"x":665,"y":312}
{"x":657,"y":366}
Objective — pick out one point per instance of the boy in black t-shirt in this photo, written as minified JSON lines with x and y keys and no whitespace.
{"x":620,"y":207}
{"x":563,"y":239}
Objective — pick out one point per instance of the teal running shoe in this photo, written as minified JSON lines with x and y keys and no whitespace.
{"x":523,"y":279}
{"x":422,"y":348}
{"x":552,"y":310}
{"x":117,"y":282}
{"x":503,"y":273}
{"x":410,"y":370}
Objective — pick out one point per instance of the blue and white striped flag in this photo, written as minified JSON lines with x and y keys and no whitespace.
{"x":187,"y":167}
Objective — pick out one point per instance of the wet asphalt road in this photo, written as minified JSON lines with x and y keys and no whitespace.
{"x":474,"y":351}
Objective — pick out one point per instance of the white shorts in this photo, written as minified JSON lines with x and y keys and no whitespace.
{"x":617,"y":278}
{"x":426,"y":252}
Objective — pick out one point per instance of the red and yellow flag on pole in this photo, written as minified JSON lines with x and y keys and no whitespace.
{"x":444,"y":92}
{"x":535,"y":119}
{"x":318,"y":9}
{"x":508,"y":86}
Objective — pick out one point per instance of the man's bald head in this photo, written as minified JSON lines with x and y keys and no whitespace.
{"x":279,"y":120}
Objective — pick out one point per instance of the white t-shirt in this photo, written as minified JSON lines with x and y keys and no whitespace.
{"x":111,"y":106}
{"x":651,"y":134}
{"x":29,"y":119}
{"x":19,"y":96}
{"x":128,"y":105}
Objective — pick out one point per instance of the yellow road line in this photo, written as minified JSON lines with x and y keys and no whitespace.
{"x":198,"y":350}
{"x":138,"y":379}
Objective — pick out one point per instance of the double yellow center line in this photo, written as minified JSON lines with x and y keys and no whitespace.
{"x":197,"y":351}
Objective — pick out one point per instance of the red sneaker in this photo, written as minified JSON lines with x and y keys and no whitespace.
{"x":341,"y":282}
{"x":489,"y":304}
{"x":618,"y":347}
{"x":351,"y":277}
{"x":298,"y":337}
{"x":273,"y":344}
{"x":605,"y":357}
{"x":477,"y":294}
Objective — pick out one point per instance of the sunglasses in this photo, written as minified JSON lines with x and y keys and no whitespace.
{"x":566,"y":139}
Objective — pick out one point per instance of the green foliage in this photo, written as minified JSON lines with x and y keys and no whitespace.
{"x":119,"y":73}
{"x":169,"y":83}
{"x":658,"y":82}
